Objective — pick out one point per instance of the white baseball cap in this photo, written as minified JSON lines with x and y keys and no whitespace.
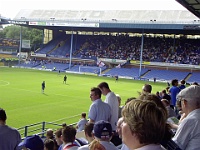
{"x":190,"y":93}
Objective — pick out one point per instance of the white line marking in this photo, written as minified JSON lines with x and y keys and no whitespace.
{"x":4,"y":83}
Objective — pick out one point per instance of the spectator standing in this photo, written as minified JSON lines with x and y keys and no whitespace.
{"x":182,"y":86}
{"x":174,"y":90}
{"x":188,"y":134}
{"x":9,"y":137}
{"x":111,"y":99}
{"x":82,"y":122}
{"x":98,"y":109}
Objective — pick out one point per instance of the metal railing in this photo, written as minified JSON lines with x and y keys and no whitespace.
{"x":38,"y":128}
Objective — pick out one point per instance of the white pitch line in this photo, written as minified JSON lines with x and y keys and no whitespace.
{"x":7,"y":83}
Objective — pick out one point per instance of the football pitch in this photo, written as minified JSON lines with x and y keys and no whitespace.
{"x":21,"y":96}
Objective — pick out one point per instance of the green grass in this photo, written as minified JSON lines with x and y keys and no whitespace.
{"x":21,"y":97}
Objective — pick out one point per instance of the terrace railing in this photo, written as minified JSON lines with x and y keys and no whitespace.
{"x":38,"y":128}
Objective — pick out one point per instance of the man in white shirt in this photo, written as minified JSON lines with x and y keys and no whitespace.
{"x":112,"y":100}
{"x":187,"y":136}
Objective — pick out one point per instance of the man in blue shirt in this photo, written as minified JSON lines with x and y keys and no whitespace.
{"x":174,"y":90}
{"x":9,"y":137}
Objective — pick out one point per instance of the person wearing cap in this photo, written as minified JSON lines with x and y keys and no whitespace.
{"x":99,"y":110}
{"x":9,"y":137}
{"x":188,"y":133}
{"x":112,"y":100}
{"x":33,"y":142}
{"x":102,"y":133}
{"x":144,"y":125}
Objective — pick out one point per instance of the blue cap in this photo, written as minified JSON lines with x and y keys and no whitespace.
{"x":102,"y":129}
{"x":33,"y":142}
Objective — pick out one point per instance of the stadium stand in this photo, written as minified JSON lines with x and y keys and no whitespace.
{"x":166,"y":74}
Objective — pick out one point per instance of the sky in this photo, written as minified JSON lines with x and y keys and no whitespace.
{"x":10,"y":8}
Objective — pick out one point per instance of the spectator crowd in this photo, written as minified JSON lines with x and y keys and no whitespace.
{"x":166,"y":120}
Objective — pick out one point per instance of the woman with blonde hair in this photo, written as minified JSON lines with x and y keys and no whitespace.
{"x":143,"y":126}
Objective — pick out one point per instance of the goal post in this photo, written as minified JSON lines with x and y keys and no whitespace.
{"x":90,"y":69}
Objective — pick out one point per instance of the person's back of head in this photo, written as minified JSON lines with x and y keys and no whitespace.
{"x":83,"y":115}
{"x":48,"y":144}
{"x":147,"y":88}
{"x":155,"y":99}
{"x":33,"y":142}
{"x":49,"y":134}
{"x":3,"y":115}
{"x":164,"y":92}
{"x":174,"y":82}
{"x":165,"y":102}
{"x":103,"y":85}
{"x":68,"y":134}
{"x":119,"y":99}
{"x":129,"y":99}
{"x":195,"y":83}
{"x":64,"y":125}
{"x":183,"y":82}
{"x":103,"y":130}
